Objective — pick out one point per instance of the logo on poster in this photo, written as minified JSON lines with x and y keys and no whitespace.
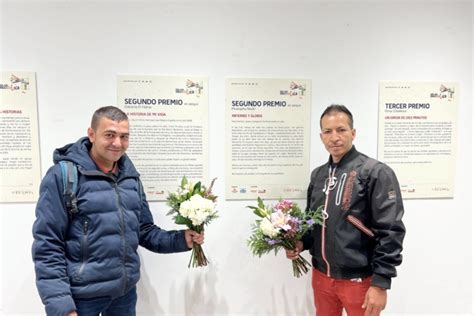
{"x":16,"y":84}
{"x":194,"y":88}
{"x":295,"y":90}
{"x":444,"y":93}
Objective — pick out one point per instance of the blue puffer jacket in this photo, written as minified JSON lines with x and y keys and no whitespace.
{"x":94,"y":253}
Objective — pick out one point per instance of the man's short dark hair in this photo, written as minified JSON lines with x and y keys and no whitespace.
{"x":337,"y":108}
{"x":111,"y":112}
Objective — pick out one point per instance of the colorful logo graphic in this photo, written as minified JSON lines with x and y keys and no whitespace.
{"x":295,"y":90}
{"x":195,"y":88}
{"x":444,"y":93}
{"x":16,"y":84}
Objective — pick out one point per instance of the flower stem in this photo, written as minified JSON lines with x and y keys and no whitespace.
{"x":198,"y":258}
{"x":300,"y":266}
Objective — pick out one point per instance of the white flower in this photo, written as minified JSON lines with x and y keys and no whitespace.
{"x":197,"y":209}
{"x":268,"y":229}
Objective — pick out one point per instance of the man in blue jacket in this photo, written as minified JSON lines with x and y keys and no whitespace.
{"x":87,"y":263}
{"x":356,"y":249}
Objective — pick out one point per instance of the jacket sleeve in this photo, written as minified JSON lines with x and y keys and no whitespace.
{"x":153,"y":237}
{"x":48,"y":251}
{"x":387,"y":211}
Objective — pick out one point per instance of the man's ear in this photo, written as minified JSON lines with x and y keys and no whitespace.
{"x":91,"y":134}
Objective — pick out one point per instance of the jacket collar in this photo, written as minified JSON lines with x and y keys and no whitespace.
{"x":352,"y":153}
{"x":78,"y":153}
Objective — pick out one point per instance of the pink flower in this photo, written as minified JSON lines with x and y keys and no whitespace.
{"x":280,"y":220}
{"x":294,"y":227}
{"x":284,"y":205}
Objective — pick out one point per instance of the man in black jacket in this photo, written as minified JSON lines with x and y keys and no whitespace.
{"x":355,"y":251}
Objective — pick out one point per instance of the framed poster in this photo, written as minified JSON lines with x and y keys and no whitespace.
{"x":169,"y":122}
{"x":417,"y":136}
{"x":20,"y":172}
{"x":267,"y":138}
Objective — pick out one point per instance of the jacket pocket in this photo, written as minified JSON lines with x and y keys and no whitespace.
{"x":360,"y":226}
{"x":84,"y":249}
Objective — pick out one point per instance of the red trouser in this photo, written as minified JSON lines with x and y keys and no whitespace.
{"x":331,"y":295}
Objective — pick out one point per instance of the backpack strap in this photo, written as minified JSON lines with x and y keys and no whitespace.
{"x":69,"y":175}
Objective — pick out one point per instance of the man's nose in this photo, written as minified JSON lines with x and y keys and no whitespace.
{"x":334,"y":136}
{"x":117,"y":142}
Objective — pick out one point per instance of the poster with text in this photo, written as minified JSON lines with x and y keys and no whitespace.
{"x":168,"y":129}
{"x":267,"y":138}
{"x":417,"y":136}
{"x":20,"y":172}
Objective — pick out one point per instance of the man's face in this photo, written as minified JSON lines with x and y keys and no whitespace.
{"x":336,"y":134}
{"x":109,"y":141}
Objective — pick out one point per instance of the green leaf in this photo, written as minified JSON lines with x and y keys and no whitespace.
{"x":197,"y":188}
{"x":260,"y":203}
{"x":184,"y":181}
{"x":259,"y":211}
{"x":180,"y":220}
{"x":172,"y":211}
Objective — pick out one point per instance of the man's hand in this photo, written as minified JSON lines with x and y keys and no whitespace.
{"x":294,"y":254}
{"x":375,"y":301}
{"x":193,"y":237}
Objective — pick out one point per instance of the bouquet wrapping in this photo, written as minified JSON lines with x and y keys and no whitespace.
{"x":281,"y":226}
{"x":193,"y":205}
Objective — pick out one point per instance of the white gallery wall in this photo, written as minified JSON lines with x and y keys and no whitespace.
{"x":78,"y":47}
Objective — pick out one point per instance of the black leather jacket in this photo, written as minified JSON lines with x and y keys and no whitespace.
{"x":363,"y":233}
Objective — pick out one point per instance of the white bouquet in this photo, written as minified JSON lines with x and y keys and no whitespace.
{"x":194,"y":206}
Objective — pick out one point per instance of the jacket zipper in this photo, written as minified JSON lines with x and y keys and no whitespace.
{"x":85,"y":231}
{"x":122,"y":234}
{"x":328,"y":187}
{"x":323,"y":239}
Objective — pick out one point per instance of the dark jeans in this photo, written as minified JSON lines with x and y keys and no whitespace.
{"x":121,"y":306}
